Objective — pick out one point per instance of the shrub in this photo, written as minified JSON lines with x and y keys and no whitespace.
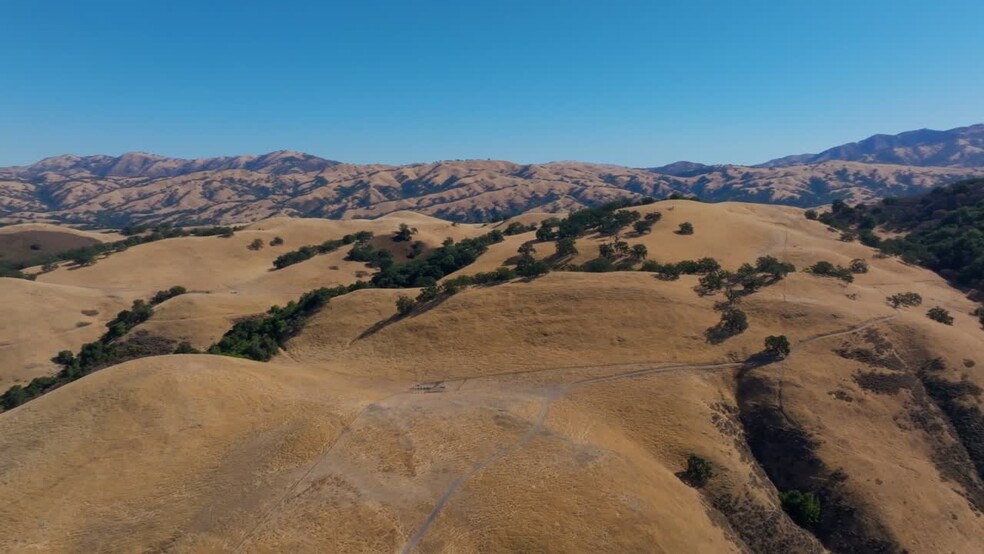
{"x":777,"y":346}
{"x":404,"y":305}
{"x":686,"y":228}
{"x":937,"y":313}
{"x":642,"y":227}
{"x":639,"y":252}
{"x":185,"y":347}
{"x":906,"y":299}
{"x":810,"y":214}
{"x":802,"y":507}
{"x":653,"y":217}
{"x":277,"y":241}
{"x":256,"y":244}
{"x":979,"y":312}
{"x":858,"y":265}
{"x":699,"y":470}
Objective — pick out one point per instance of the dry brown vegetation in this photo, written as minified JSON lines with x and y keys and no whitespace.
{"x":137,"y":188}
{"x":554,"y":415}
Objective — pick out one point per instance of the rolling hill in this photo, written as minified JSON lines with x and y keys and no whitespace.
{"x":134,"y":188}
{"x":552,"y":414}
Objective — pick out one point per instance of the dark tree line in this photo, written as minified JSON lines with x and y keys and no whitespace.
{"x":943,"y":230}
{"x":109,"y":350}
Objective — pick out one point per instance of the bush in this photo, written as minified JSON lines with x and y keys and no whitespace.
{"x":404,"y":305}
{"x":185,"y":347}
{"x":653,"y":217}
{"x":858,"y":265}
{"x":699,"y":470}
{"x":937,"y":313}
{"x":639,"y":252}
{"x":686,"y":228}
{"x":802,"y":507}
{"x":277,"y":241}
{"x":810,"y":214}
{"x":907,"y":299}
{"x":979,"y":312}
{"x":642,"y":227}
{"x":257,"y":244}
{"x":777,"y":346}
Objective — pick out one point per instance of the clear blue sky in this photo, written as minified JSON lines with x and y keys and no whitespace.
{"x":639,"y":83}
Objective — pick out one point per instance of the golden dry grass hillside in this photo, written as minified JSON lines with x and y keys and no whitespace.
{"x":554,"y":414}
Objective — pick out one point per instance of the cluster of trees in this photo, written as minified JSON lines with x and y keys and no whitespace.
{"x":645,"y":225}
{"x":517,"y":228}
{"x":748,"y":279}
{"x":528,"y":266}
{"x":686,"y":228}
{"x":941,"y":315}
{"x":405,"y":304}
{"x":607,"y":219}
{"x":307,"y":252}
{"x":260,"y":338}
{"x":827,"y":269}
{"x":942,"y":230}
{"x":904,"y":299}
{"x":108,"y":350}
{"x":673,"y":271}
{"x":87,"y":255}
{"x":426,"y":270}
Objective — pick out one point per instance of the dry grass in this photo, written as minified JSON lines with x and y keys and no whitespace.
{"x":539,"y":440}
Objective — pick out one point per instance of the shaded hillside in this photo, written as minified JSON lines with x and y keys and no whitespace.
{"x":959,"y":147}
{"x":141,"y":188}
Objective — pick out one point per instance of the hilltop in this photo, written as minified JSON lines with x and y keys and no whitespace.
{"x":134,"y":188}
{"x":558,"y":412}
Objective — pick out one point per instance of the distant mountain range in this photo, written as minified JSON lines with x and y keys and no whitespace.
{"x":139,"y":187}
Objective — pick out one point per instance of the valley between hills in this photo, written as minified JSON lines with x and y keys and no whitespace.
{"x":606,"y":380}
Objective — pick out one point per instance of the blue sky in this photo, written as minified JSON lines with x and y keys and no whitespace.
{"x":638,"y":83}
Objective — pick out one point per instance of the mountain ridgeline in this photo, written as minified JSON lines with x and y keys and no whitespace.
{"x":138,"y":188}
